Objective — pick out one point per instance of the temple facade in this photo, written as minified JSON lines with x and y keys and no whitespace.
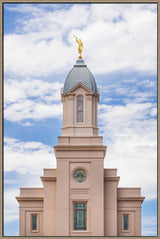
{"x":80,"y":197}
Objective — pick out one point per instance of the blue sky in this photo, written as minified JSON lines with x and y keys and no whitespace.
{"x":121,"y":52}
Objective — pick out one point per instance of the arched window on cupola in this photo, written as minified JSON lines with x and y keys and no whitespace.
{"x":80,"y":108}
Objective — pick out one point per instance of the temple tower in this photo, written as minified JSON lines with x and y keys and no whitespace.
{"x":80,"y":158}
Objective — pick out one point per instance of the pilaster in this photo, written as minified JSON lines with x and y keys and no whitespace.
{"x":110,"y":202}
{"x":49,"y":204}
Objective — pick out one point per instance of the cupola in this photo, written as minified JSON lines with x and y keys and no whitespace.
{"x":80,"y":74}
{"x":80,"y":98}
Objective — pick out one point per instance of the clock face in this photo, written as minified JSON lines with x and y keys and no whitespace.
{"x":80,"y":176}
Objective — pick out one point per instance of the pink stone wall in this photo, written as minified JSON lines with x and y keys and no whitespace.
{"x":49,"y":205}
{"x":30,"y":202}
{"x":129,"y":202}
{"x":110,"y":202}
{"x":62,"y":199}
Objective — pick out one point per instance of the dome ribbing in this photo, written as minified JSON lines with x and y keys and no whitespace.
{"x":80,"y":74}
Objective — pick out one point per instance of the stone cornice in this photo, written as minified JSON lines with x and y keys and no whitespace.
{"x":19,"y":199}
{"x":127,"y":198}
{"x":48,"y":178}
{"x":80,"y":147}
{"x":76,"y":148}
{"x":126,"y":188}
{"x":81,"y":125}
{"x":108,"y":178}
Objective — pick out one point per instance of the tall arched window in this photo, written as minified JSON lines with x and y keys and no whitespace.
{"x":80,"y":109}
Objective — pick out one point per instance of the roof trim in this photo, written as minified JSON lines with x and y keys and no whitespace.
{"x":77,"y":86}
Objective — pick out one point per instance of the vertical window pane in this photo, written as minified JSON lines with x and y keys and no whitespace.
{"x":125,"y":221}
{"x":80,"y":117}
{"x":79,"y":216}
{"x":75,"y":219}
{"x":79,"y":106}
{"x":34,"y":221}
{"x":80,"y":109}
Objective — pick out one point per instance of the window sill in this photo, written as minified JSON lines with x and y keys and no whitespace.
{"x":34,"y":231}
{"x":79,"y":232}
{"x":126,"y":231}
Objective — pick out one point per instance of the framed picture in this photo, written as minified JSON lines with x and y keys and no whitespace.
{"x":107,"y":52}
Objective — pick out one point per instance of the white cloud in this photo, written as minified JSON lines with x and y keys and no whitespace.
{"x":131,"y":91}
{"x":32,"y":58}
{"x":28,"y":109}
{"x":149,"y":225}
{"x":61,"y":19}
{"x":149,"y":232}
{"x":131,"y":136}
{"x":46,"y":45}
{"x":149,"y":220}
{"x":15,"y":90}
{"x":31,"y":99}
{"x":11,"y":212}
{"x":27,"y":157}
{"x":25,"y":8}
{"x":153,"y":112}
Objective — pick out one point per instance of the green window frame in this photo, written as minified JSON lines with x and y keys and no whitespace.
{"x":80,"y":214}
{"x":125,"y":222}
{"x":34,"y":222}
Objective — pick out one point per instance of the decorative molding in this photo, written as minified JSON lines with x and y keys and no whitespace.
{"x":48,"y":178}
{"x":80,"y":147}
{"x":90,"y":159}
{"x":34,"y":210}
{"x":80,"y":191}
{"x":19,"y":199}
{"x":71,"y":97}
{"x":78,"y":86}
{"x":108,"y":178}
{"x":89,"y":97}
{"x":80,"y":124}
{"x":125,"y":210}
{"x":81,"y":233}
{"x":127,"y":198}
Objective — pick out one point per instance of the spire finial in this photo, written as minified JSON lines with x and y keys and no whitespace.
{"x":80,"y":46}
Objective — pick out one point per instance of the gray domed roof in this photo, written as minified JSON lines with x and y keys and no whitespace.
{"x":80,"y":74}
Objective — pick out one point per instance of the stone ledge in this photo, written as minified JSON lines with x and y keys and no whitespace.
{"x":116,"y":178}
{"x":80,"y":147}
{"x":48,"y":178}
{"x":19,"y":199}
{"x":131,"y":199}
{"x":80,"y":140}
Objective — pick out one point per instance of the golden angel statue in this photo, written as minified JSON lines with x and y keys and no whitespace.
{"x":80,"y":46}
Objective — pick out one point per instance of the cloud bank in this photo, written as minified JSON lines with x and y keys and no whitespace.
{"x":114,"y":39}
